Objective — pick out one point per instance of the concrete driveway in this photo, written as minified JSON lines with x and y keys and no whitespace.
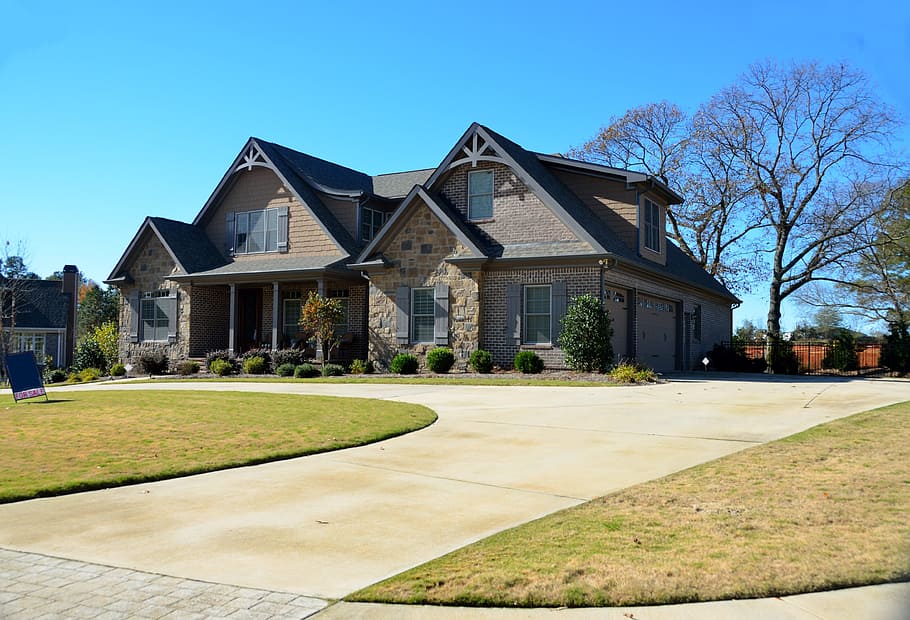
{"x":329,"y":524}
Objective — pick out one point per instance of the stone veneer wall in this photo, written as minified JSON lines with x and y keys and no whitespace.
{"x":148,"y":271}
{"x":417,"y":254}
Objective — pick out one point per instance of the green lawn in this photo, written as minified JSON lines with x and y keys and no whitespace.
{"x":823,"y":509}
{"x":89,"y":440}
{"x":491,"y":380}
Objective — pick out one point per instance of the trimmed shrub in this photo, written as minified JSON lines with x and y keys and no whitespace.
{"x":481,"y":361}
{"x":221,"y":367}
{"x":841,"y":354}
{"x":288,"y":356}
{"x":586,"y":333}
{"x":632,"y":372}
{"x":528,"y":362}
{"x":221,"y":354}
{"x":89,"y":374}
{"x":357,"y":367}
{"x":783,"y":358}
{"x":187,"y":367}
{"x":306,"y":371}
{"x":404,"y":364}
{"x":152,"y":363}
{"x":332,"y":370}
{"x":440,"y":359}
{"x":255,"y":365}
{"x":285,"y":370}
{"x":369,"y":367}
{"x":265,"y":354}
{"x":73,"y":377}
{"x":118,"y":370}
{"x":734,"y":359}
{"x":56,"y":376}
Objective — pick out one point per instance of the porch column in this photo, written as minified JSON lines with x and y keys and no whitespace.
{"x":233,"y":319}
{"x":275,"y":310}
{"x":320,"y":288}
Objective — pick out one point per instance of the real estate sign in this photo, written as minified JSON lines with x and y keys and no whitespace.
{"x":24,"y":376}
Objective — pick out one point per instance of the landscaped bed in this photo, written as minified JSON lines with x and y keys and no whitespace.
{"x":81,"y":440}
{"x":826,"y":508}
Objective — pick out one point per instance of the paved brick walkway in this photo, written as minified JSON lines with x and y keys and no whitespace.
{"x":34,"y":586}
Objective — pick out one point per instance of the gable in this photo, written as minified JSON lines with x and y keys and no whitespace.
{"x":149,"y":263}
{"x":259,"y":188}
{"x":613,"y":202}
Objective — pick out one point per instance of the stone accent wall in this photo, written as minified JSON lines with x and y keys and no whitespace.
{"x":518,"y":214}
{"x":417,"y":254}
{"x":151,"y":266}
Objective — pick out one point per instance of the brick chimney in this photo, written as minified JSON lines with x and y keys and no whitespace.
{"x":71,"y":287}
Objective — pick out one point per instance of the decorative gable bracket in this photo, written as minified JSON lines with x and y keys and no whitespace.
{"x":252,"y":157}
{"x":478,"y":150}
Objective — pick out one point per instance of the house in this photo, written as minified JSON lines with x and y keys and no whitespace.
{"x":44,"y":319}
{"x":483,"y":251}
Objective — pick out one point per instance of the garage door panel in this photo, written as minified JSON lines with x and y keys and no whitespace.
{"x":656,"y":332}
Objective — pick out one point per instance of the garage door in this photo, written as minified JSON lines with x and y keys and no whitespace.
{"x":615,"y":302}
{"x":657,"y":332}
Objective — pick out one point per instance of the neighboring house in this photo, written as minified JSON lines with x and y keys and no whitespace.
{"x":45,"y":317}
{"x":483,"y":251}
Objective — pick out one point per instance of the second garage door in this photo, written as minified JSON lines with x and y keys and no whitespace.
{"x":656,"y":332}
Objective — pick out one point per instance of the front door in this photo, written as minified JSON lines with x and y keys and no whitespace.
{"x":249,"y":319}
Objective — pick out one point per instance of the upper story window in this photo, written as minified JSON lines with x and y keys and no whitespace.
{"x":371,"y":220}
{"x":480,"y":194}
{"x":256,"y":231}
{"x":651,"y":226}
{"x":537,"y":314}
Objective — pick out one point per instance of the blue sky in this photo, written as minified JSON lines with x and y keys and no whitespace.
{"x":112,"y":111}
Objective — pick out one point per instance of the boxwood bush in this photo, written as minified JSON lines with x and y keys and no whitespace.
{"x":440,"y":359}
{"x":528,"y":362}
{"x":404,"y":364}
{"x":481,"y":361}
{"x":285,"y":370}
{"x":221,"y":367}
{"x":152,"y":363}
{"x":332,"y":370}
{"x":305,"y":371}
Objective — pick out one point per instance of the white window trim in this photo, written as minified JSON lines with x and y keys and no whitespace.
{"x":525,"y":314}
{"x":414,"y":315}
{"x":265,"y":214}
{"x":492,"y":174}
{"x":651,"y":229}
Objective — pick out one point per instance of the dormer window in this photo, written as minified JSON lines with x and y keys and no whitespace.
{"x":371,"y":220}
{"x":651,"y":226}
{"x":480,"y":195}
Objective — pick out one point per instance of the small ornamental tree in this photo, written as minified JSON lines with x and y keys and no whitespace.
{"x":320,"y":315}
{"x":586,"y":333}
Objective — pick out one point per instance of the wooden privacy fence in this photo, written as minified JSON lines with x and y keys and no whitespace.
{"x":814,"y":357}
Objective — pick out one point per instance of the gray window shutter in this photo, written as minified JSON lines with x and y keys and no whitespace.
{"x":170,"y":308}
{"x":513,"y":313}
{"x":283,"y":229}
{"x":441,"y":315}
{"x":557,"y":308}
{"x":403,"y":315}
{"x":134,"y":316}
{"x":229,"y":235}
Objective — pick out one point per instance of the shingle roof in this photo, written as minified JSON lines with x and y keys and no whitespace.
{"x":269,"y":266}
{"x":399,"y":184}
{"x":189,"y":244}
{"x":43,"y":305}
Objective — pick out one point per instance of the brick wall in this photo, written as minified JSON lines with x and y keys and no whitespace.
{"x":210,"y":319}
{"x":518,"y":215}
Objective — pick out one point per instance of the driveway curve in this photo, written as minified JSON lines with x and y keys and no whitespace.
{"x":329,"y":524}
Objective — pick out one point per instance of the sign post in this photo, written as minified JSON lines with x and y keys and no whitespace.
{"x":24,"y":376}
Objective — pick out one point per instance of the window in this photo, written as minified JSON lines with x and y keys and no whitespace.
{"x":537,"y":314}
{"x":256,"y":232}
{"x":30,"y":341}
{"x":154,"y":318}
{"x":342,"y":295}
{"x":290,"y":324}
{"x":652,"y":228}
{"x":480,"y":194}
{"x":422,"y":315}
{"x":371,"y":221}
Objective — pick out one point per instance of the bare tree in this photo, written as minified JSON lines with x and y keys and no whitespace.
{"x":811,"y":141}
{"x":14,"y":289}
{"x":714,"y":223}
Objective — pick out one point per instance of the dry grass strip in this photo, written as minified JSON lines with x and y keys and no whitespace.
{"x":823,"y":509}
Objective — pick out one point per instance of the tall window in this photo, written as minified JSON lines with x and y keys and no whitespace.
{"x":153,"y":315}
{"x":537,"y":314}
{"x":422,"y":315}
{"x":371,"y":221}
{"x":652,"y":229}
{"x":480,"y":194}
{"x":290,"y":324}
{"x":256,"y":232}
{"x":343,"y":296}
{"x":696,"y":323}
